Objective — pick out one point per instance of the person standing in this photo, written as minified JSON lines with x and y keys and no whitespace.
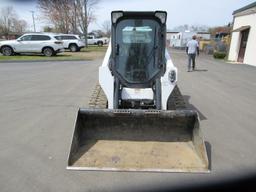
{"x":191,"y":49}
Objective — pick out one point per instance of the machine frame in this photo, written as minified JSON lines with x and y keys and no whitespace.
{"x":157,"y":90}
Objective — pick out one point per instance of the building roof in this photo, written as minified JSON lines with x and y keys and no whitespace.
{"x":203,"y":32}
{"x":242,"y":28}
{"x":172,"y":32}
{"x":245,"y":8}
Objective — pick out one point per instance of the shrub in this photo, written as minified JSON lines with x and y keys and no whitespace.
{"x":219,"y":55}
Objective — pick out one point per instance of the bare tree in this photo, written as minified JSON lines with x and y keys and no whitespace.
{"x":194,"y":28}
{"x":85,"y":15}
{"x":48,"y":29}
{"x":19,"y":26}
{"x":9,"y":22}
{"x":6,"y":20}
{"x":181,"y":28}
{"x":106,"y":27}
{"x":220,"y":29}
{"x":58,"y":12}
{"x":199,"y":28}
{"x":1,"y":28}
{"x":69,"y":15}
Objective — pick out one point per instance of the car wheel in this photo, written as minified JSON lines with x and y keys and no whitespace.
{"x":100,"y":43}
{"x":73,"y":48}
{"x":48,"y":52}
{"x":7,"y":51}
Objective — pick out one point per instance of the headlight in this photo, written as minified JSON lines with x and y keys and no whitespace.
{"x":172,"y":76}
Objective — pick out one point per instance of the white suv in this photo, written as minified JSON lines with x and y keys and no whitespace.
{"x":32,"y":43}
{"x":71,"y":42}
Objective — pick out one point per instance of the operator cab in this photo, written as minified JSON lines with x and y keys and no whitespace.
{"x":138,"y":47}
{"x":138,"y":51}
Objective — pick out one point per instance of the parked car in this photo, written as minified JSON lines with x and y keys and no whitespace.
{"x":92,"y":40}
{"x":71,"y":42}
{"x":43,"y":43}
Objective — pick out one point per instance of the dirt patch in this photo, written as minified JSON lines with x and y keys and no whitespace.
{"x":137,"y":155}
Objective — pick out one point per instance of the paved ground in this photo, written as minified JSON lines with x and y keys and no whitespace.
{"x":38,"y":106}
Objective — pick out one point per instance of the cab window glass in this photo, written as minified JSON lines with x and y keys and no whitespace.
{"x":26,"y":38}
{"x":71,"y":37}
{"x":137,"y":40}
{"x":142,"y":34}
{"x":40,"y":38}
{"x":58,"y":37}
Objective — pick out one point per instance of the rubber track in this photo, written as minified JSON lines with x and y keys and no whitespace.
{"x":98,"y":99}
{"x":176,"y":100}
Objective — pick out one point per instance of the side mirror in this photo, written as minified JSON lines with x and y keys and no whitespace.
{"x":19,"y":40}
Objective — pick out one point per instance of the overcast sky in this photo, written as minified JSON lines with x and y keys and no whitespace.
{"x":196,"y":12}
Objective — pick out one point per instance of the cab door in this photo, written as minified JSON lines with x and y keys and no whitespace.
{"x":137,"y":51}
{"x":38,"y":42}
{"x":90,"y":40}
{"x":23,"y":44}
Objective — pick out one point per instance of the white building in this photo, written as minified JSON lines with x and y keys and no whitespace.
{"x":203,"y":35}
{"x":243,"y":41}
{"x":180,"y":39}
{"x":172,"y":38}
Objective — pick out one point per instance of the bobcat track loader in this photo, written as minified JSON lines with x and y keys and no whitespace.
{"x":137,"y":119}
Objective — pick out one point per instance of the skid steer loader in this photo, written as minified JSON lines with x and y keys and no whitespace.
{"x":137,"y":119}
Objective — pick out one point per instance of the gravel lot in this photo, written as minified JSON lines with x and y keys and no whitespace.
{"x":38,"y":106}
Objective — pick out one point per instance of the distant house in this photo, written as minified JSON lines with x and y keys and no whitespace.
{"x":203,"y":35}
{"x":180,"y":39}
{"x":171,"y":37}
{"x":243,"y":41}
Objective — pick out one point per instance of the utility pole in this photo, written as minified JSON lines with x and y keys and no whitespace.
{"x":33,"y":20}
{"x":75,"y":18}
{"x":85,"y":22}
